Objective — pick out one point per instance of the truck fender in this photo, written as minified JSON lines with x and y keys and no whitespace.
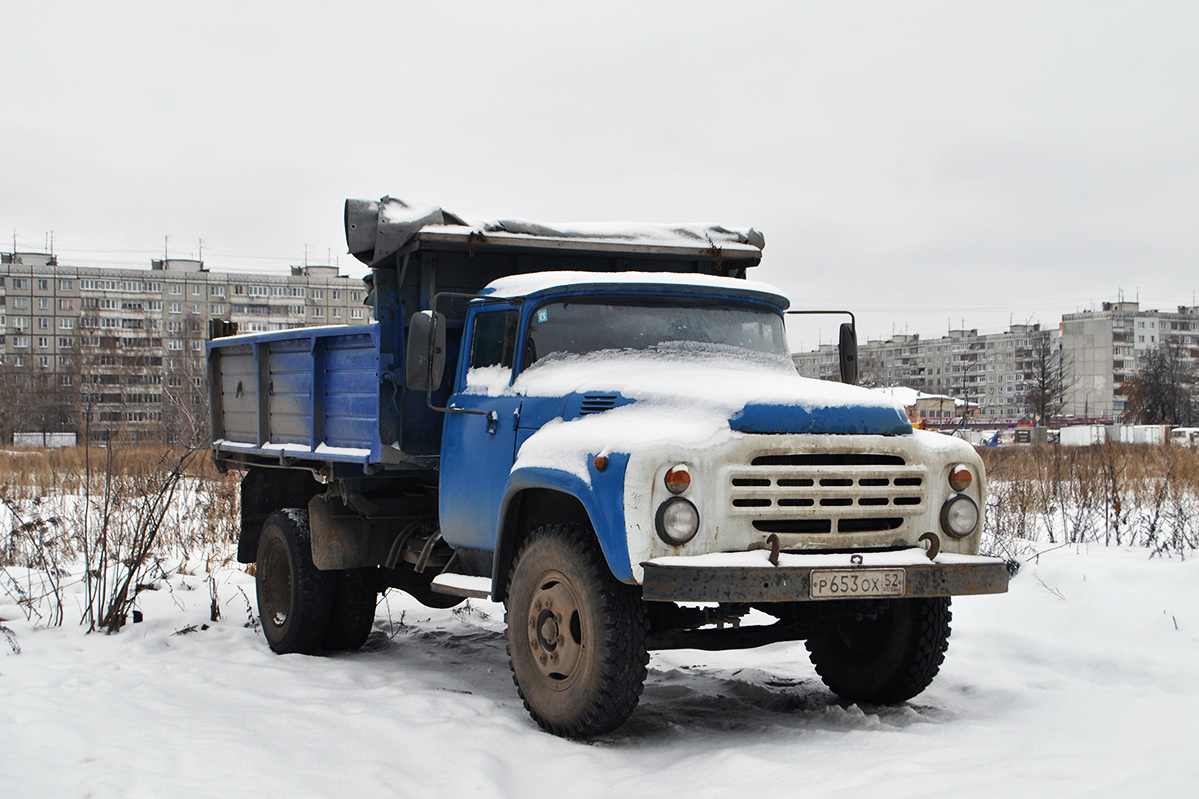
{"x":541,"y":495}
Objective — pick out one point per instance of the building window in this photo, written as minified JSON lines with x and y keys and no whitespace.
{"x":218,"y":308}
{"x":43,"y":341}
{"x":43,"y":323}
{"x":197,"y":290}
{"x":65,"y":343}
{"x":19,"y":283}
{"x":195,"y":308}
{"x":66,"y":323}
{"x":317,"y":294}
{"x":20,"y":303}
{"x":43,"y":304}
{"x":217,"y":291}
{"x":66,"y":285}
{"x":174,"y":288}
{"x":318,"y":312}
{"x":355,"y":313}
{"x":174,"y":307}
{"x":175,"y":345}
{"x":43,"y":285}
{"x":336,"y":294}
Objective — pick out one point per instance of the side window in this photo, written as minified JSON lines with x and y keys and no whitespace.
{"x":494,"y":339}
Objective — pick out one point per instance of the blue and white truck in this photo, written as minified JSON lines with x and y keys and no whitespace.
{"x":601,"y":428}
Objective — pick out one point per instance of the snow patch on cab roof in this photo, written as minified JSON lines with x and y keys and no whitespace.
{"x":524,"y":285}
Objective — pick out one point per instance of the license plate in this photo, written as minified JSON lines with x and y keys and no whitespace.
{"x":856,"y":583}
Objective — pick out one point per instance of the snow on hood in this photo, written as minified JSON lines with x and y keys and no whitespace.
{"x":694,"y":397}
{"x":696,"y":375}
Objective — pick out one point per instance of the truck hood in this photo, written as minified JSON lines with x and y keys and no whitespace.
{"x":746,"y":392}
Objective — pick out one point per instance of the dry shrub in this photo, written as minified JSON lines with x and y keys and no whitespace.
{"x":119,"y":513}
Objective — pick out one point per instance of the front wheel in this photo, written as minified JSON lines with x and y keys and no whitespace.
{"x":888,"y":658}
{"x":576,"y":635}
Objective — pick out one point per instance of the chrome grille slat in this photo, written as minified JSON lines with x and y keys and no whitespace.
{"x":851,"y":492}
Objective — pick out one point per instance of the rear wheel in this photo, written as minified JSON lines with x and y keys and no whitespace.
{"x":576,"y":635}
{"x":354,"y":598}
{"x":888,"y":658}
{"x":294,"y":597}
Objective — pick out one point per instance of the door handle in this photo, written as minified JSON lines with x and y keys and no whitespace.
{"x":493,"y":422}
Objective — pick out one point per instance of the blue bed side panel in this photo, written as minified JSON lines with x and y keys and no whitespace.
{"x":299,"y":388}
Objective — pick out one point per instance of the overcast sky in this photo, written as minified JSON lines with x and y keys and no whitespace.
{"x":926,"y":164}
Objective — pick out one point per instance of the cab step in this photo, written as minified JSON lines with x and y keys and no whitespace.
{"x":462,"y":585}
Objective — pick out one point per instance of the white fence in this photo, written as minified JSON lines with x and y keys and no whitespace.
{"x":46,"y":440}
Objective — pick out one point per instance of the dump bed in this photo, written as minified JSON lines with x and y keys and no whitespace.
{"x":333,"y":398}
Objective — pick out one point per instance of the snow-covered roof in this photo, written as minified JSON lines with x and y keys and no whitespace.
{"x":375,"y":230}
{"x":524,"y":285}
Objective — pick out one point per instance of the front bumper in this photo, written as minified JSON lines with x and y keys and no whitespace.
{"x":750,"y":577}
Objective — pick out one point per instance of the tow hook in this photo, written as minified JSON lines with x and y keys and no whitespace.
{"x":774,"y":542}
{"x":934,"y":544}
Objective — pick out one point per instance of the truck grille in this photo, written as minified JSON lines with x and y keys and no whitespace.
{"x":822,"y":493}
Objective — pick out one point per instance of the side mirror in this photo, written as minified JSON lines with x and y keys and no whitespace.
{"x":848,"y":347}
{"x":424,"y":361}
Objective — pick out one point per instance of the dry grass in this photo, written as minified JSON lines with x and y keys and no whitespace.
{"x":1121,"y":494}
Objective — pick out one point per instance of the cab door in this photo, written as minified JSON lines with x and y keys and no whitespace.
{"x":479,"y":434}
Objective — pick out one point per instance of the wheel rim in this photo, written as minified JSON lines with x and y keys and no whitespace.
{"x":555,"y":631}
{"x":275,"y":568}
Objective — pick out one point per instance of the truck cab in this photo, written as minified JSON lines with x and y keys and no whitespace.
{"x":621,"y":453}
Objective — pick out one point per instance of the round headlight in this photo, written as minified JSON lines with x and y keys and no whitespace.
{"x":959,"y":516}
{"x":960,"y":478}
{"x":677,"y":521}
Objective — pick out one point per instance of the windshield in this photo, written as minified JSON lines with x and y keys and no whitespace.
{"x":587,"y":326}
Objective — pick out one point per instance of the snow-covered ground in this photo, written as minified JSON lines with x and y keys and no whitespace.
{"x":1082,"y":681}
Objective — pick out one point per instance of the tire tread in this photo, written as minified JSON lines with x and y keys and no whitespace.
{"x":626,"y":626}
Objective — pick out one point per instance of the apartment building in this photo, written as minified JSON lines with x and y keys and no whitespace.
{"x":1104,"y":345}
{"x":120,"y":352}
{"x":992,"y":371}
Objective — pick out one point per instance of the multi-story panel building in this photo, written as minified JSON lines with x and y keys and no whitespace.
{"x":121,"y":351}
{"x":992,"y":371}
{"x":1104,"y":346}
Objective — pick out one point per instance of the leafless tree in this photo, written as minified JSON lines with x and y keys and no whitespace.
{"x":1047,"y":376}
{"x":1164,"y":388}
